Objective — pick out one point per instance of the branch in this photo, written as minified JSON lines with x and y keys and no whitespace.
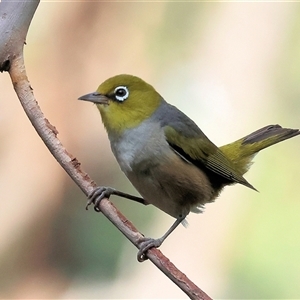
{"x":15,"y":20}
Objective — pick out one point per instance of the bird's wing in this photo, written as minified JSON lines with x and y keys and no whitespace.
{"x":201,"y":152}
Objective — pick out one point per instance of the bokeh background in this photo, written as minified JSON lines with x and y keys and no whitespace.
{"x":233,"y":68}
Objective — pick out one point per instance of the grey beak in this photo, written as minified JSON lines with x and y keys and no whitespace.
{"x":95,"y":98}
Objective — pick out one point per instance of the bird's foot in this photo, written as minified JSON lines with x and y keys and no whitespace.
{"x":97,"y":195}
{"x":146,"y":244}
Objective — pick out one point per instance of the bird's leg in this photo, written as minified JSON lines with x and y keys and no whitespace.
{"x":147,"y":243}
{"x":102,"y":192}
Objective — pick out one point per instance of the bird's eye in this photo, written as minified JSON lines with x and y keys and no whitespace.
{"x":121,"y":93}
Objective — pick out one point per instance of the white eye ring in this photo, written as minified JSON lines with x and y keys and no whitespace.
{"x":121,"y":93}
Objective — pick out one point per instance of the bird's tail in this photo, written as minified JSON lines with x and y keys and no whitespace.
{"x":242,"y":151}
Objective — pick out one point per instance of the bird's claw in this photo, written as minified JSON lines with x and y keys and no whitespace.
{"x":146,"y":244}
{"x":97,"y":195}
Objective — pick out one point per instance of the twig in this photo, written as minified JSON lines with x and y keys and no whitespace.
{"x":13,"y":62}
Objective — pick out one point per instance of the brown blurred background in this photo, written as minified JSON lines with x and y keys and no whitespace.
{"x":233,"y":68}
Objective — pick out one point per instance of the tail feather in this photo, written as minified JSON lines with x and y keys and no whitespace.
{"x":268,"y":136}
{"x":242,"y":151}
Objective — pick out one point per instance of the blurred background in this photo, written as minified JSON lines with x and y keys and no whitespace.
{"x":233,"y":68}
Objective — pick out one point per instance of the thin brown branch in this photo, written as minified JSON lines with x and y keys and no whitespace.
{"x":48,"y":133}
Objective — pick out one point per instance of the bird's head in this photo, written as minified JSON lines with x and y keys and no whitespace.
{"x":124,"y":101}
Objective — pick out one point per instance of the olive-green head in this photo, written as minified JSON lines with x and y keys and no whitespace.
{"x":124,"y":101}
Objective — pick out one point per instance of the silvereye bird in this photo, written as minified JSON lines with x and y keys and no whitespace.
{"x":165,"y":155}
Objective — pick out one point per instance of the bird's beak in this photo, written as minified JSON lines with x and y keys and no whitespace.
{"x":95,"y":98}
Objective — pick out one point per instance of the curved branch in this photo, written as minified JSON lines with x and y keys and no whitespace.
{"x":15,"y":18}
{"x":11,"y":57}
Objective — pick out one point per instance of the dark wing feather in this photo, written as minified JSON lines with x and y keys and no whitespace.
{"x":200,"y":151}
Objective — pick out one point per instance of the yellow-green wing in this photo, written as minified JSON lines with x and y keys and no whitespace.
{"x":200,"y":151}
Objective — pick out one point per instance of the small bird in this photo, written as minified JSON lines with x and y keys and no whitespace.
{"x":166,"y":156}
